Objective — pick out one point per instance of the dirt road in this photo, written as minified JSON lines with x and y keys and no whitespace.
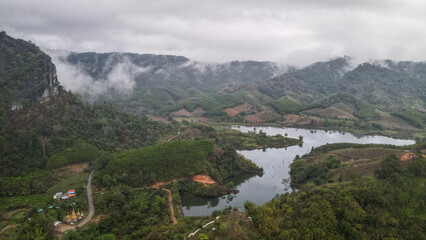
{"x":169,"y":199}
{"x":89,"y":200}
{"x":178,"y":133}
{"x":172,"y":211}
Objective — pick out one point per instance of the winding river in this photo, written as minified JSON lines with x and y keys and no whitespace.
{"x":275,"y":162}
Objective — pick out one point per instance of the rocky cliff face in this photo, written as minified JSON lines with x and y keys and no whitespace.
{"x":27,"y":74}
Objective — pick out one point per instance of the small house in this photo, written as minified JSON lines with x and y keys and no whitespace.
{"x":71,"y":193}
{"x":57,"y":195}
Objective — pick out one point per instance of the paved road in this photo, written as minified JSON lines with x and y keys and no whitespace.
{"x":90,"y":200}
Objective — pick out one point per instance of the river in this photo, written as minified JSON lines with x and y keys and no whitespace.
{"x":275,"y":162}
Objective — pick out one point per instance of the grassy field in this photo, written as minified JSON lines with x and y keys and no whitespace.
{"x":414,"y":117}
{"x":73,"y":182}
{"x":362,"y":161}
{"x":285,"y":105}
{"x":35,"y":200}
{"x":80,"y":152}
{"x":229,"y":225}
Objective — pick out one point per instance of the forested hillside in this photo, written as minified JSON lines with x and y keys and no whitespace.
{"x":378,"y":96}
{"x":157,"y":81}
{"x":50,"y":137}
{"x":386,"y":205}
{"x":38,"y":118}
{"x":388,"y":88}
{"x":163,"y":162}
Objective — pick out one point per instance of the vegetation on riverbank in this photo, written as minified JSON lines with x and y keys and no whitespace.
{"x":173,"y":160}
{"x":225,"y":137}
{"x":252,"y":140}
{"x":163,"y":162}
{"x":388,"y":204}
{"x":134,"y":214}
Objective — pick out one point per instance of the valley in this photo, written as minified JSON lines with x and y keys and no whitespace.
{"x":244,"y":149}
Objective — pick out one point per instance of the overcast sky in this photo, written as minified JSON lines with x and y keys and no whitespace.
{"x":286,"y":31}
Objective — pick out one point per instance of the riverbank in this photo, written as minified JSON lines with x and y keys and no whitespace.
{"x":393,"y":133}
{"x":275,"y":163}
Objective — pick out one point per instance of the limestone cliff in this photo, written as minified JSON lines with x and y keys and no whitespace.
{"x":27,"y":75}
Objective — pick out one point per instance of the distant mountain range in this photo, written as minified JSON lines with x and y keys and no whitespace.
{"x":176,"y":86}
{"x":388,"y":84}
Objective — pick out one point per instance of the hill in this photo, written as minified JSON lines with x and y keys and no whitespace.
{"x":156,"y":81}
{"x":373,"y":96}
{"x":162,"y":162}
{"x":386,"y":204}
{"x":38,"y":118}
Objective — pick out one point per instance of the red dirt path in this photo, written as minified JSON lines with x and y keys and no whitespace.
{"x":407,"y":156}
{"x":169,"y":199}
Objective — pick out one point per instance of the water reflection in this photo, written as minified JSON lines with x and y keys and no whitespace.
{"x":275,"y":162}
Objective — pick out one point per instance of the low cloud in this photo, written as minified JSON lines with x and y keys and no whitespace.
{"x":116,"y":77}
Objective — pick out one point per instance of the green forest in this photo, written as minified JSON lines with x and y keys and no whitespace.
{"x":389,"y":206}
{"x":173,"y":160}
{"x":163,"y":162}
{"x":52,"y":140}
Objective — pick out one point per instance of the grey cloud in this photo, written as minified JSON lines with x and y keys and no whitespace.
{"x":119,"y":77}
{"x":292,"y":32}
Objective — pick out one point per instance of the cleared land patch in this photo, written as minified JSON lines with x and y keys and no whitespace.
{"x":360,"y":161}
{"x":78,"y":167}
{"x":181,"y":113}
{"x":333,"y":112}
{"x":264,"y":116}
{"x":237,"y":110}
{"x":203,"y":179}
{"x":198,"y":112}
{"x":157,"y":118}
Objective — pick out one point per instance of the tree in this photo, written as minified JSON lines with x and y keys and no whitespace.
{"x":231,"y":185}
{"x":332,"y":162}
{"x":390,"y":165}
{"x":418,"y":167}
{"x":203,"y":236}
{"x":108,"y":181}
{"x":43,"y":140}
{"x":106,"y":237}
{"x":286,"y":183}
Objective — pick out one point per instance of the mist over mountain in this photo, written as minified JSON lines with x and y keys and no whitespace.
{"x":147,"y":71}
{"x":389,"y":86}
{"x":122,"y":76}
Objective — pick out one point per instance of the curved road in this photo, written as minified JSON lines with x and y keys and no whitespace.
{"x":169,"y":199}
{"x":172,"y":211}
{"x":90,"y":200}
